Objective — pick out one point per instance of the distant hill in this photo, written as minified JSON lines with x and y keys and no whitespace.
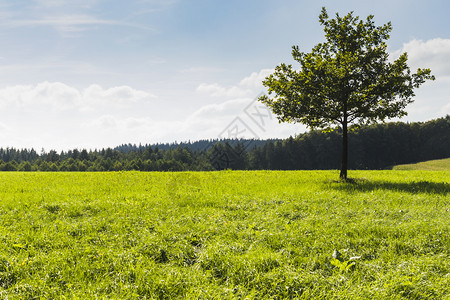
{"x":431,"y":165}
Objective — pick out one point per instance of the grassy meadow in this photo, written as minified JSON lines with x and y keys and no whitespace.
{"x":431,"y":165}
{"x":225,"y":235}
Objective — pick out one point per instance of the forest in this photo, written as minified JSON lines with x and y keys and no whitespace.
{"x":378,"y":146}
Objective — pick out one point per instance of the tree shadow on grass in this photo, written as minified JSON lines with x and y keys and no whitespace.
{"x":418,"y":187}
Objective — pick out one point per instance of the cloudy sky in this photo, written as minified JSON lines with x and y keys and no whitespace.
{"x":99,"y":73}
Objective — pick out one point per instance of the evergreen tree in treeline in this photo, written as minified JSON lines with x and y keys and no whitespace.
{"x":372,"y":147}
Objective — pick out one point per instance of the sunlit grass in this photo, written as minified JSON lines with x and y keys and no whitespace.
{"x":219,"y":235}
{"x":432,"y":165}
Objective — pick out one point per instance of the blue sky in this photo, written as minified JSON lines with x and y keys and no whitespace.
{"x":99,"y":73}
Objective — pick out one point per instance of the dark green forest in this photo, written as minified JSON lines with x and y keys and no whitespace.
{"x":378,"y":146}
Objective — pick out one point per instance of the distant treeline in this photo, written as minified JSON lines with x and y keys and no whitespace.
{"x":377,"y":146}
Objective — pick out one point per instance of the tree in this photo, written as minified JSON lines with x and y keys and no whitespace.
{"x":345,"y":80}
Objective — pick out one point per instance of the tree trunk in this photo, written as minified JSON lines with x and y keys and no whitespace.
{"x":344,"y":163}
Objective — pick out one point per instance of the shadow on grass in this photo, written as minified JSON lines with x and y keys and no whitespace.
{"x":418,"y":187}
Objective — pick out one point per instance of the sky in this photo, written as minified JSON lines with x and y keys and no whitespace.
{"x":91,"y":74}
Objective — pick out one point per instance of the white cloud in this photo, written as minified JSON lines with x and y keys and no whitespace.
{"x":255,"y":79}
{"x":433,"y":54}
{"x":68,"y":23}
{"x":240,"y":111}
{"x":250,"y":85}
{"x":55,"y":115}
{"x":208,"y":122}
{"x":216,"y":90}
{"x":224,"y":109}
{"x":95,"y":95}
{"x":105,"y":122}
{"x":59,"y":96}
{"x":433,"y":47}
{"x":120,"y":124}
{"x":432,"y":98}
{"x":56,"y":95}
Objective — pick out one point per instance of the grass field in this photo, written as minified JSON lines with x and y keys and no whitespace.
{"x":225,"y":235}
{"x":431,"y":165}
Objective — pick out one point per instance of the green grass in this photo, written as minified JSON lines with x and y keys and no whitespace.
{"x":431,"y":165}
{"x":225,"y":235}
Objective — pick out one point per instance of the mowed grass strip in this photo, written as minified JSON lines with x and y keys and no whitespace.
{"x":225,"y":235}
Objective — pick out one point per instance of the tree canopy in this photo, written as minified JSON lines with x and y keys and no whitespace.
{"x":348,"y":79}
